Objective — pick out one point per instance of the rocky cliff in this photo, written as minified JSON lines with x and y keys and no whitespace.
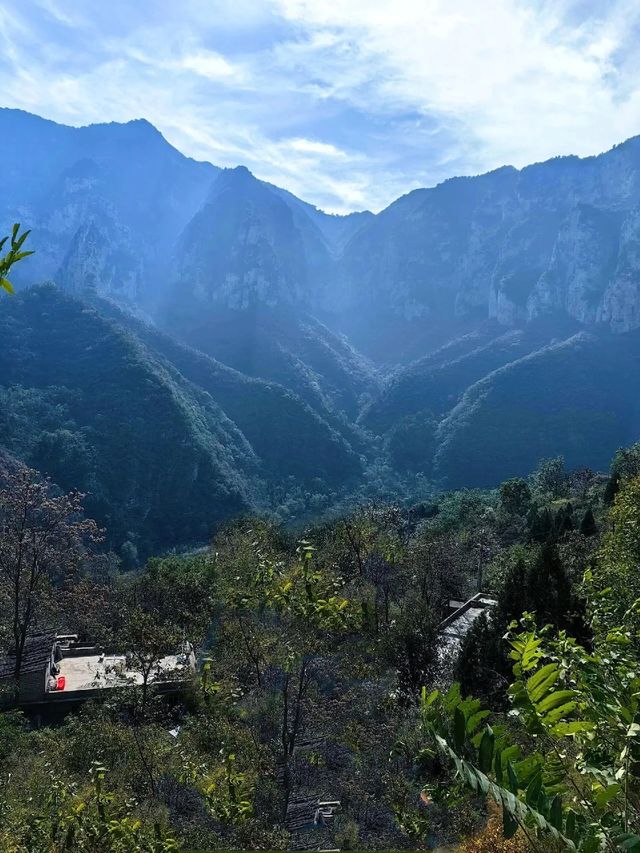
{"x":116,"y":209}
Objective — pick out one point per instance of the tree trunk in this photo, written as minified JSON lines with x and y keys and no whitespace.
{"x":286,"y":771}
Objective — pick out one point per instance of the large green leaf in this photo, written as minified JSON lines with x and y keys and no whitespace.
{"x":459,"y":728}
{"x":485,"y":752}
{"x":554,"y":700}
{"x":518,"y":811}
{"x":539,"y":684}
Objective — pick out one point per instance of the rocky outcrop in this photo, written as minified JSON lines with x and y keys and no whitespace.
{"x":102,"y":261}
{"x":620,"y":307}
{"x":582,"y":263}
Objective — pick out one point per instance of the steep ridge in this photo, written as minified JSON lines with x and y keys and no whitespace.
{"x":91,"y":388}
{"x":579,"y":398}
{"x":289,"y":437}
{"x":247,"y":247}
{"x":557,"y":238}
{"x":244,"y":289}
{"x":124,"y":181}
{"x":89,"y":401}
{"x":292,"y":349}
{"x":436,"y":385}
{"x":116,"y":209}
{"x":447,"y":291}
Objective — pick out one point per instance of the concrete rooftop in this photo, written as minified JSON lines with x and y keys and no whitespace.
{"x":92,"y":672}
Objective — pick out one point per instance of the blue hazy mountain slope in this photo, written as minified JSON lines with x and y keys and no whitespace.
{"x":384,"y":332}
{"x":117,"y":209}
{"x":578,"y":397}
{"x":118,"y":190}
{"x":166,"y":442}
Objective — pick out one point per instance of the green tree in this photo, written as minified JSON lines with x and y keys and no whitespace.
{"x":575,"y":784}
{"x":43,"y":542}
{"x":588,"y":526}
{"x":541,"y":526}
{"x":620,"y":551}
{"x":548,"y":592}
{"x":515,"y":496}
{"x":479,"y":667}
{"x":564,"y":765}
{"x":625,"y":466}
{"x":281,"y":616}
{"x":550,"y":478}
{"x":148,"y":639}
{"x":89,"y":819}
{"x":181,"y":591}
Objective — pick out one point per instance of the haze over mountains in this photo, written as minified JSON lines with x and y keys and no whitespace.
{"x":461,"y":334}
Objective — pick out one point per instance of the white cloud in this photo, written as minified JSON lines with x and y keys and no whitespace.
{"x":522,"y":84}
{"x":347,"y":103}
{"x":209,"y":65}
{"x":312,"y":146}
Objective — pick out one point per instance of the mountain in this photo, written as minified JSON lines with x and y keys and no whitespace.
{"x":248,"y":272}
{"x":578,"y":397}
{"x":166,"y":442}
{"x":513,"y":245}
{"x":492,"y":404}
{"x":335,"y":343}
{"x":290,"y":437}
{"x":118,"y":212}
{"x":103,"y":201}
{"x":115,"y":208}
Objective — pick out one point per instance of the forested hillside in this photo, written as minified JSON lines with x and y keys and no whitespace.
{"x":166,"y":442}
{"x":319,"y":426}
{"x":239,"y":530}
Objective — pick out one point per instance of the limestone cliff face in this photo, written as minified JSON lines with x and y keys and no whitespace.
{"x":115,"y":209}
{"x":620,"y":306}
{"x":589,"y":267}
{"x":102,"y":260}
{"x":106,"y":203}
{"x":554,"y":238}
{"x":248,"y":247}
{"x":582,"y":262}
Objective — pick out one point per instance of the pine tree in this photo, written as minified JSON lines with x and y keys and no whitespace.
{"x":548,"y":591}
{"x":512,"y":601}
{"x":540,"y":525}
{"x":588,"y":526}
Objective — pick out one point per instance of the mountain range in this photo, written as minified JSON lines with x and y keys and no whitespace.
{"x":458,"y":336}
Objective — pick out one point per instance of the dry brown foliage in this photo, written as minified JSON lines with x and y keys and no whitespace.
{"x":490,"y":839}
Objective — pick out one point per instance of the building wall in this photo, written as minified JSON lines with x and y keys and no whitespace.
{"x":32,"y":687}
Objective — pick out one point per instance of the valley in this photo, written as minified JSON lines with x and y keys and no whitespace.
{"x":307,"y":360}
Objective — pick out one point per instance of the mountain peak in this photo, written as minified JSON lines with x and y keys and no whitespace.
{"x":238,"y":174}
{"x":141,"y":125}
{"x":137,"y":128}
{"x":237,"y":178}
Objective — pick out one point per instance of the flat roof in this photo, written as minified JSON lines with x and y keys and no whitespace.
{"x":462,"y":623}
{"x":455,"y":627}
{"x":92,"y":672}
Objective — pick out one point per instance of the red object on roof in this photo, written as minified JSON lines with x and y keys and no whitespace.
{"x":60,"y":682}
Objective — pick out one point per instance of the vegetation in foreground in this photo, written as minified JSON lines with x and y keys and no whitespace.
{"x":320,"y":675}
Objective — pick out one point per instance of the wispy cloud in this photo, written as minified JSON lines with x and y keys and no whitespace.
{"x":210,"y":65}
{"x":348,"y":103}
{"x":313,"y":147}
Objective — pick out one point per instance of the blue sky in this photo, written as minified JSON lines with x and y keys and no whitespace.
{"x":348,"y":104}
